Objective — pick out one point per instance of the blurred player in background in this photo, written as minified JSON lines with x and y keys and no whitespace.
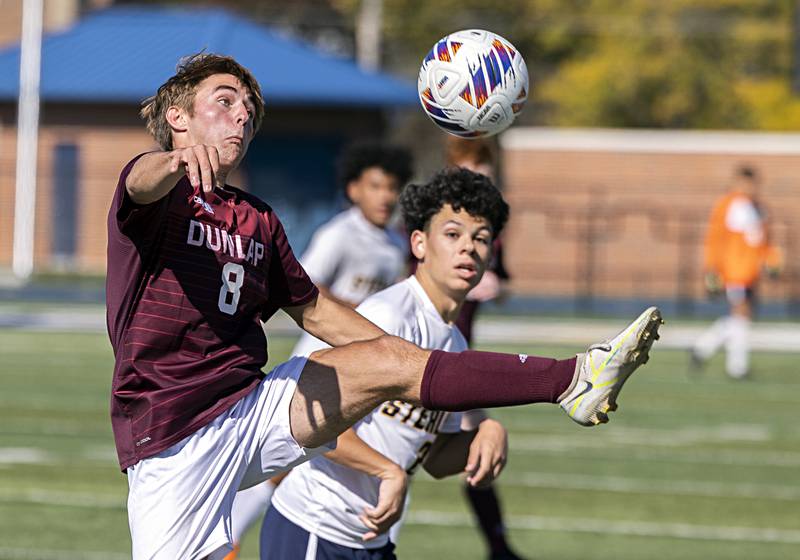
{"x":737,"y":250}
{"x":359,"y":252}
{"x":194,"y":265}
{"x":349,"y":258}
{"x":477,"y":155}
{"x":342,"y":505}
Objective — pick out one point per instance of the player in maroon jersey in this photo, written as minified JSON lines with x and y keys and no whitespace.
{"x":195,"y":265}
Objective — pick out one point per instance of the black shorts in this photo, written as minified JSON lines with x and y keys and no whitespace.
{"x":283,"y":540}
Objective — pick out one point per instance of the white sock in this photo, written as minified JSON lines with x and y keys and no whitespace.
{"x":737,"y":346}
{"x":712,"y":338}
{"x":248,"y":506}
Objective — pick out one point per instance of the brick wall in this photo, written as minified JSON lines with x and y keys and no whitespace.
{"x":622,"y":213}
{"x":102,"y":153}
{"x":57,"y":15}
{"x":645,"y":196}
{"x":107,"y":136}
{"x":11,"y":22}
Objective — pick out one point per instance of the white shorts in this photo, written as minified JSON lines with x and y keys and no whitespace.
{"x":179,"y":501}
{"x":738,"y":293}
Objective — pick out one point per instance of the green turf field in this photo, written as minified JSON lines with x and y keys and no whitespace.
{"x":698,"y":469}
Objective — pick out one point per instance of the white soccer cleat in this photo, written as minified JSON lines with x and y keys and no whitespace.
{"x":605,"y":367}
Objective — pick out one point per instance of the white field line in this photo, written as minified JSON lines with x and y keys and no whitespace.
{"x":48,"y":428}
{"x":646,"y":529}
{"x":74,"y":320}
{"x":764,"y":336}
{"x":619,"y":484}
{"x":558,"y":446}
{"x":625,"y":528}
{"x":25,"y":456}
{"x":33,"y":554}
{"x":67,"y":499}
{"x":624,"y":442}
{"x":508,"y":330}
{"x":521,"y":432}
{"x":673,"y":437}
{"x":665,"y":487}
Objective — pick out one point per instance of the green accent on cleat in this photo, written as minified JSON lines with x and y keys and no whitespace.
{"x":606,"y":367}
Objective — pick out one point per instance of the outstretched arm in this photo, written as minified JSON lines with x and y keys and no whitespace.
{"x":351,"y":451}
{"x":332,"y":322}
{"x":325,"y":291}
{"x":155,"y":174}
{"x":481,"y":453}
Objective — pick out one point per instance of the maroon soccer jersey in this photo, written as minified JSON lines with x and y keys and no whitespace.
{"x":189,"y":279}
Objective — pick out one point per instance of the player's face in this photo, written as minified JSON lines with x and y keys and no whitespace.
{"x":222,"y":117}
{"x":748,"y":186}
{"x":375,"y":192}
{"x":455,"y":250}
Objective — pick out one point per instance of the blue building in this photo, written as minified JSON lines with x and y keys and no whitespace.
{"x":94,"y":77}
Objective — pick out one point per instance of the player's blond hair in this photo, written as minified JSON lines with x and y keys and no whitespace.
{"x":180,"y":89}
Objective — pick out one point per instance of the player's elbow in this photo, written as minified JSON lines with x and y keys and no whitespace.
{"x":441,"y":463}
{"x":151,"y":178}
{"x":138,"y":193}
{"x":434,"y":470}
{"x":439,"y":469}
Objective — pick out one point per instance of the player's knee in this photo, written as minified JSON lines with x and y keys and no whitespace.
{"x":392,"y":350}
{"x":396,"y":359}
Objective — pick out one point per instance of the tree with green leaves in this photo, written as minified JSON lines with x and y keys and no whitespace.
{"x":723,"y":64}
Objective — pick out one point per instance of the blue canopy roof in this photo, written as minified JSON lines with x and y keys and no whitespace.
{"x":123,"y":54}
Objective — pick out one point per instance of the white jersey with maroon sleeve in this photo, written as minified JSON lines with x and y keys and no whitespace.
{"x":353,"y":259}
{"x":325,"y":498}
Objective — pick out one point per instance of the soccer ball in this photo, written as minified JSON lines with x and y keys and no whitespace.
{"x":473,"y":83}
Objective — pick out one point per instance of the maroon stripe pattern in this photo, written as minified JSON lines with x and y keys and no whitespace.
{"x":190,"y":277}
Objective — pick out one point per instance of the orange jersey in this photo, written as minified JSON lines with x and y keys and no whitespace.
{"x":737,"y":245}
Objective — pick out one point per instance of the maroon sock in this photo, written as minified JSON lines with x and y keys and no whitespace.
{"x":486,"y":507}
{"x":470,"y":379}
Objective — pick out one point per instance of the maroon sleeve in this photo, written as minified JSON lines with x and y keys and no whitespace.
{"x":497,"y":265}
{"x":132,"y":218}
{"x":288,"y":283}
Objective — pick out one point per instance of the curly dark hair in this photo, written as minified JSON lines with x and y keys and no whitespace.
{"x":460,"y":188}
{"x":747,"y":171}
{"x":393,"y":160}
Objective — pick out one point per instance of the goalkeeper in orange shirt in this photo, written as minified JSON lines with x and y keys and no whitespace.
{"x":737,"y":250}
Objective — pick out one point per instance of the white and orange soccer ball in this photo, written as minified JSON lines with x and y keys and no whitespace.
{"x":473,"y":83}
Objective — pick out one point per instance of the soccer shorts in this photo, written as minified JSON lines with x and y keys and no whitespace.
{"x":179,"y":501}
{"x":283,"y":540}
{"x":738,"y":293}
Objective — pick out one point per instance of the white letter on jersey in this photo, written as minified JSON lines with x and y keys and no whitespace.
{"x":195,"y":230}
{"x":259,"y":252}
{"x":227,"y":243}
{"x":250,"y":254}
{"x":209,"y":244}
{"x":230,"y":286}
{"x":255,"y":252}
{"x":239,"y":252}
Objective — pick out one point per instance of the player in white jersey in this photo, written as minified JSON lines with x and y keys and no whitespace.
{"x":351,"y":258}
{"x":358,"y":252}
{"x":354,"y":255}
{"x":333,"y":506}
